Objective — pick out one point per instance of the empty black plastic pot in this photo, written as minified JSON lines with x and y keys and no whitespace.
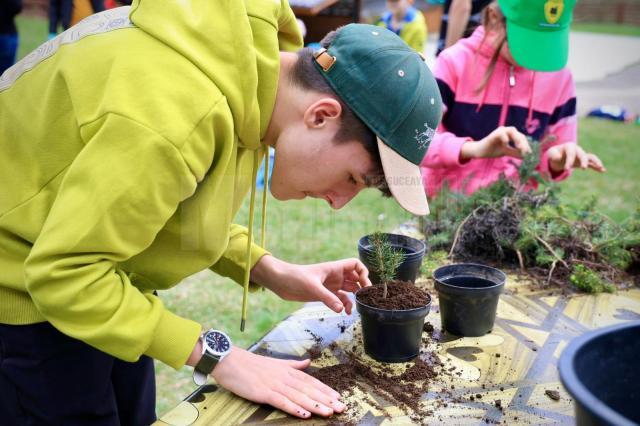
{"x":468,"y":295}
{"x":600,"y":371}
{"x":392,"y":335}
{"x":412,"y":248}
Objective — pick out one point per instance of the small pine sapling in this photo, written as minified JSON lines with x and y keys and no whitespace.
{"x":384,"y":258}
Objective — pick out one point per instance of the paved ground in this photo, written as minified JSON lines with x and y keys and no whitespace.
{"x":606,"y":68}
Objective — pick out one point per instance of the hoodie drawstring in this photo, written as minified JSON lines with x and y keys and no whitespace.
{"x":263,"y":234}
{"x":531,"y":89}
{"x":263,"y":237}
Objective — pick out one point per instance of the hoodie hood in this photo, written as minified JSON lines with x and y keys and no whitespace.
{"x":242,"y":66}
{"x":232,"y":43}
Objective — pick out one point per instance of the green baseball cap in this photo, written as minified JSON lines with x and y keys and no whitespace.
{"x":538,"y":32}
{"x":390,"y":88}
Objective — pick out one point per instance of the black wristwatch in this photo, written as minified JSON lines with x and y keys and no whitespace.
{"x":215,"y":346}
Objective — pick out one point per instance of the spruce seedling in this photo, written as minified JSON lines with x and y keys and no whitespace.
{"x":384,"y":258}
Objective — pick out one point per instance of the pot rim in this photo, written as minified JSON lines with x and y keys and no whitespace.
{"x":576,"y":387}
{"x":420,"y":252}
{"x":500,"y":283}
{"x":428,"y":305}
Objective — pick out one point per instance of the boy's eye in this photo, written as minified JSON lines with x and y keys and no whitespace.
{"x":352,"y":180}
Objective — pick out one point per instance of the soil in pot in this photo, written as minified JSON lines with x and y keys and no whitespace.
{"x":401,"y":295}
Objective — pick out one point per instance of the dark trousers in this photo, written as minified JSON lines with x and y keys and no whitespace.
{"x":8,"y":50}
{"x":60,"y":12}
{"x":48,"y":378}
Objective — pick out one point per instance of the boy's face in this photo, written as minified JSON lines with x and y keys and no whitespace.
{"x":398,"y":7}
{"x":309,"y":163}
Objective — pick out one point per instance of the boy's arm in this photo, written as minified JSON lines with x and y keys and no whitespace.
{"x":232,"y":263}
{"x":115,"y":197}
{"x":459,"y":13}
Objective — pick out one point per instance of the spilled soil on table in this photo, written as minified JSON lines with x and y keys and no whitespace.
{"x":404,"y":390}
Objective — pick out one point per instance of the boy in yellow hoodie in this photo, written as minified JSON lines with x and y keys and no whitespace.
{"x":127,"y":145}
{"x":406,"y":21}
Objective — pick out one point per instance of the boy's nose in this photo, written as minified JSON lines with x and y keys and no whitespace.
{"x":338,"y":201}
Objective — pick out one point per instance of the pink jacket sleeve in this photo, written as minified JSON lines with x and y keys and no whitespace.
{"x":564,"y":130}
{"x":444,"y":151}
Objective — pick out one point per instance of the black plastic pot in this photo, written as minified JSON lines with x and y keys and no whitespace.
{"x":600,"y":370}
{"x":392,"y":335}
{"x":468,"y":295}
{"x":412,"y":248}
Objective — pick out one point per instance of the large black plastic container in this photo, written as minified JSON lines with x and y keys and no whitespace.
{"x":468,"y":295}
{"x":412,"y":248}
{"x":392,"y":335}
{"x":601,"y":371}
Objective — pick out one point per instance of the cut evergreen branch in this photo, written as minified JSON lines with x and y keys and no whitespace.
{"x":384,"y":258}
{"x":555,"y":242}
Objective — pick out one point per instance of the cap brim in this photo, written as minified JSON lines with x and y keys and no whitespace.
{"x":538,"y":50}
{"x":404,"y":180}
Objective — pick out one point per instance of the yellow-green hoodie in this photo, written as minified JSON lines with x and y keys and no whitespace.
{"x":126,"y":148}
{"x":413,"y":30}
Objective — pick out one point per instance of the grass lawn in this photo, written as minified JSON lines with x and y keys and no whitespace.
{"x":33,"y":31}
{"x":308,"y":231}
{"x":618,"y":146}
{"x":607,"y":28}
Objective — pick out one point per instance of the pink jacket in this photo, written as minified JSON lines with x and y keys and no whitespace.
{"x":538,"y":104}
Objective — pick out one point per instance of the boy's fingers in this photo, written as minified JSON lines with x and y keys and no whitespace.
{"x":362,"y":271}
{"x":344,"y":298}
{"x":283,"y":403}
{"x":301,"y":375}
{"x":350,"y":286}
{"x":353,"y":277}
{"x":330,"y":299}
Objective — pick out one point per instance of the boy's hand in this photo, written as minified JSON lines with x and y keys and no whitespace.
{"x":276,"y":382}
{"x":328,"y":282}
{"x":569,"y":155}
{"x":502,"y":141}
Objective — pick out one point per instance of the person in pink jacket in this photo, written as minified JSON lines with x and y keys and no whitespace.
{"x":505,"y":84}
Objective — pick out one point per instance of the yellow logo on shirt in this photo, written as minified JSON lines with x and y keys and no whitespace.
{"x":553,"y":10}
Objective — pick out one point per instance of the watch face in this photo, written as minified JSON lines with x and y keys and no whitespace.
{"x":217,"y":342}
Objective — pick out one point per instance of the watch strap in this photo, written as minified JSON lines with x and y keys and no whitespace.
{"x":204,"y":367}
{"x":199,"y":378}
{"x":207,"y":363}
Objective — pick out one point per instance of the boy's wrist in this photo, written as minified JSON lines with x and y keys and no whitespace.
{"x":266,"y":270}
{"x":196,"y":354}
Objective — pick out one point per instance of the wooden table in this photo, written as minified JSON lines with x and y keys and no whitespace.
{"x":310,"y":7}
{"x":532,"y":329}
{"x":323,"y":16}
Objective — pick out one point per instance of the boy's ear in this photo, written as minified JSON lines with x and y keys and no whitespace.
{"x":321,"y":112}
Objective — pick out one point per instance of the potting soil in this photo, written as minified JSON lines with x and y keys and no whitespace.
{"x":401,"y":295}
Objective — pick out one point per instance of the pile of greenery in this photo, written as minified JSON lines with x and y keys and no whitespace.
{"x":554,"y":242}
